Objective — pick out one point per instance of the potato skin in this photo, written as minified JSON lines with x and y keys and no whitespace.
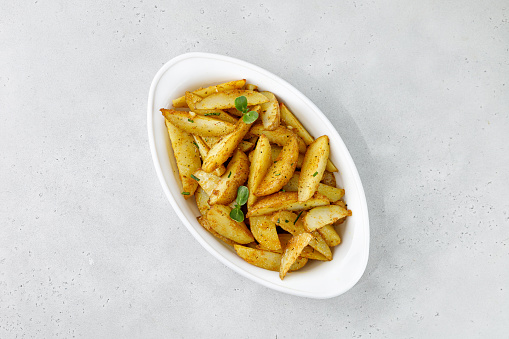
{"x":235,"y":175}
{"x":313,"y":166}
{"x":323,"y":215}
{"x":279,"y":136}
{"x":219,"y":219}
{"x":266,"y":259}
{"x":260,"y":163}
{"x":226,"y":99}
{"x":270,"y":114}
{"x":292,"y":251}
{"x":203,"y":92}
{"x":198,"y":124}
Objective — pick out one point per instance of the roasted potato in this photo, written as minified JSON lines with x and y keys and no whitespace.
{"x":292,"y":251}
{"x":288,"y":119}
{"x":279,"y":136}
{"x":235,"y":175}
{"x":323,"y":215}
{"x":186,"y":156}
{"x":203,"y":92}
{"x":219,"y":219}
{"x":328,"y":178}
{"x":260,"y":163}
{"x":308,"y":251}
{"x":332,"y":193}
{"x":270,"y":112}
{"x":285,"y":201}
{"x":313,"y":167}
{"x":250,"y":87}
{"x":204,"y":150}
{"x":226,"y":99}
{"x":330,"y":235}
{"x":264,"y":231}
{"x":266,"y":259}
{"x":281,"y":171}
{"x":208,"y":181}
{"x":206,"y":225}
{"x":202,"y":200}
{"x":198,"y":124}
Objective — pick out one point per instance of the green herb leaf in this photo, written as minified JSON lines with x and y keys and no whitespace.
{"x":298,"y":217}
{"x":315,"y":174}
{"x":207,"y":114}
{"x":185,"y":193}
{"x":194,"y":142}
{"x":237,"y":215}
{"x":190,"y":120}
{"x":229,"y":174}
{"x":195,"y":178}
{"x":278,"y":220}
{"x":250,"y":117}
{"x":242,"y":195}
{"x":287,"y":221}
{"x":277,"y":174}
{"x":241,"y":104}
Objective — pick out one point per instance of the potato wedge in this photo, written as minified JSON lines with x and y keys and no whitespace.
{"x":266,"y":259}
{"x":275,"y":150}
{"x":226,"y":99}
{"x":329,"y":234}
{"x":244,"y":145}
{"x":332,"y":193}
{"x":313,"y":167}
{"x":288,"y":119}
{"x":235,"y":175}
{"x":264,"y":231}
{"x":251,"y":87}
{"x":202,"y":200}
{"x":285,"y":201}
{"x":292,"y":251}
{"x":279,"y":136}
{"x":341,"y":203}
{"x":203,"y":92}
{"x":219,"y":219}
{"x":270,"y":112}
{"x":207,"y":181}
{"x":292,"y":223}
{"x":192,"y":99}
{"x":186,"y":156}
{"x":323,"y":215}
{"x":204,"y":150}
{"x":308,"y":251}
{"x":198,"y":124}
{"x":329,"y":179}
{"x":225,"y":147}
{"x":281,"y":171}
{"x":260,"y":163}
{"x":234,"y":111}
{"x":206,"y":225}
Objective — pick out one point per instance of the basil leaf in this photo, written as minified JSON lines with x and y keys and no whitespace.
{"x":241,"y":104}
{"x":250,"y":117}
{"x":237,"y":215}
{"x":242,"y":195}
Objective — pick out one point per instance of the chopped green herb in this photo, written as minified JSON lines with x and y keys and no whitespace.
{"x":185,"y":193}
{"x":298,"y":217}
{"x":207,"y":114}
{"x":278,"y":221}
{"x":229,"y":174}
{"x":194,"y":142}
{"x":287,"y":221}
{"x":315,"y":174}
{"x":190,"y":120}
{"x":195,"y":178}
{"x":278,"y":174}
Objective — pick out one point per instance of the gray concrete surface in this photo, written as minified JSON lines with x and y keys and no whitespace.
{"x":90,"y":247}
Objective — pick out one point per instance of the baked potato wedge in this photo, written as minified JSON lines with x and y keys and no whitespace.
{"x":323,"y":215}
{"x":332,"y":193}
{"x":219,"y":219}
{"x":292,"y":223}
{"x":203,"y":92}
{"x":285,"y":201}
{"x":192,"y":99}
{"x":281,"y":171}
{"x":266,"y":259}
{"x":264,"y":231}
{"x":202,"y":200}
{"x":270,"y":112}
{"x":186,"y":156}
{"x":279,"y":136}
{"x":313,"y":167}
{"x":226,"y":99}
{"x":260,"y":163}
{"x":329,"y":234}
{"x":198,"y":124}
{"x":250,"y":87}
{"x":328,"y":179}
{"x":204,"y":150}
{"x":292,"y":251}
{"x":308,"y":251}
{"x":235,"y":175}
{"x":206,"y":225}
{"x":225,"y":147}
{"x":207,"y":181}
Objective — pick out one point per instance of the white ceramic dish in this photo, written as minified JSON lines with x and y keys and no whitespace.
{"x":317,"y":279}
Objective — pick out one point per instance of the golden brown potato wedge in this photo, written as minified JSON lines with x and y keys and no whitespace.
{"x":206,"y":225}
{"x":275,"y":150}
{"x":308,"y":251}
{"x":281,"y":171}
{"x":264,"y":231}
{"x":251,"y":87}
{"x":219,"y":219}
{"x":225,"y":147}
{"x":329,"y":234}
{"x":341,"y":203}
{"x":260,"y":163}
{"x":323,"y":215}
{"x":246,"y":146}
{"x":292,"y":251}
{"x":266,"y":259}
{"x":313,"y":167}
{"x":186,"y":156}
{"x":332,"y":193}
{"x":202,"y":200}
{"x":288,"y":119}
{"x":285,"y":201}
{"x":192,"y":99}
{"x":226,"y":99}
{"x":329,"y":179}
{"x":279,"y":136}
{"x":203,"y":92}
{"x":204,"y":150}
{"x":270,"y":112}
{"x":234,"y":111}
{"x":292,"y":223}
{"x":198,"y":124}
{"x":207,"y":181}
{"x":235,"y":175}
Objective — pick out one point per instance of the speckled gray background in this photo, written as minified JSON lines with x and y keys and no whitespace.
{"x":90,"y":246}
